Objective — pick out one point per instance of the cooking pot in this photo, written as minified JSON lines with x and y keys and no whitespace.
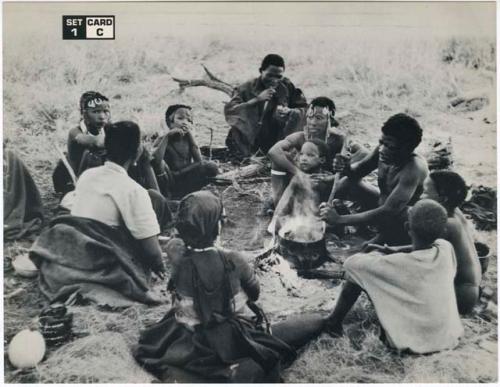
{"x":303,"y":254}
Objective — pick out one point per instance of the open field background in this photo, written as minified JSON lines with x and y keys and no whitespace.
{"x":370,"y":70}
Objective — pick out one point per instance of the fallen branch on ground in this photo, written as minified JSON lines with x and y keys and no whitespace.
{"x":474,"y":95}
{"x":212,"y":82}
{"x":241,"y":173}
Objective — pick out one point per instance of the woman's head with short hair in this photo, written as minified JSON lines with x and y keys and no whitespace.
{"x":446,"y":187}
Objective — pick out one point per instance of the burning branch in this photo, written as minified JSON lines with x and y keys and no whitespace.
{"x":212,"y":82}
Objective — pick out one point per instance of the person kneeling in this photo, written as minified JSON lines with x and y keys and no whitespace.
{"x":412,"y":293}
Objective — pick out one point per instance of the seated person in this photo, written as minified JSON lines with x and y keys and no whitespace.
{"x":319,"y":124}
{"x":86,"y":141}
{"x":302,"y":196}
{"x":177,"y":159}
{"x":449,"y":189}
{"x":209,"y":332}
{"x":401,"y":174}
{"x":22,"y":204}
{"x":86,"y":146}
{"x":412,"y":293}
{"x":108,"y":246}
{"x":264,"y":110}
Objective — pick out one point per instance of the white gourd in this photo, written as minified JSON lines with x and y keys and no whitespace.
{"x":26,"y":349}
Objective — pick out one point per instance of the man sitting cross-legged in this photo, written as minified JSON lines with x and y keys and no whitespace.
{"x":412,"y":293}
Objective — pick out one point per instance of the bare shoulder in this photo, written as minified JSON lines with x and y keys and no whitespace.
{"x":191,"y":139}
{"x":296,"y":138}
{"x":457,"y":230}
{"x":416,"y":168}
{"x":453,"y":225}
{"x":240,"y":259}
{"x":73,"y":132}
{"x":175,"y":245}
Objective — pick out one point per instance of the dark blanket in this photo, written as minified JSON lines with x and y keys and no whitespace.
{"x":100,"y":262}
{"x":22,"y":206}
{"x":231,"y":350}
{"x":482,"y":208}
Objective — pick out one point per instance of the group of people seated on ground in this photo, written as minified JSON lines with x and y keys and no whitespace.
{"x":174,"y":169}
{"x":424,"y":273}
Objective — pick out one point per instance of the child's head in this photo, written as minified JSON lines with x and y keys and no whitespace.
{"x":198,"y":222}
{"x":447,"y":188}
{"x":313,"y":155}
{"x":178,"y":116}
{"x":95,"y":109}
{"x":427,"y":221}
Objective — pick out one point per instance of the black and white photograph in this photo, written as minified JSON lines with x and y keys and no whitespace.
{"x":250,"y":192}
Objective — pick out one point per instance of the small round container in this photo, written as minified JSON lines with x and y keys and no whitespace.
{"x":24,"y":267}
{"x":55,"y":324}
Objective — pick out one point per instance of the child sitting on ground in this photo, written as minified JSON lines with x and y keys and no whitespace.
{"x":412,"y":293}
{"x":449,"y":189}
{"x":177,"y":159}
{"x":303,"y":195}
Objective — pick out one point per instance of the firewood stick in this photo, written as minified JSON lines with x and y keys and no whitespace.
{"x":336,"y":178}
{"x":211,"y":143}
{"x":66,"y":164}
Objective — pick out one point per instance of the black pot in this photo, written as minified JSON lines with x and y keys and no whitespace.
{"x":302,"y":255}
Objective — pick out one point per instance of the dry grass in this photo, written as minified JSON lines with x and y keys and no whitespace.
{"x":368,"y":81}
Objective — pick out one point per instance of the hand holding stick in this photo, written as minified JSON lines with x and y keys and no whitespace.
{"x":336,"y":179}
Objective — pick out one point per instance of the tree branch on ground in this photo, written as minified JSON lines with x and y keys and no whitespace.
{"x":212,"y":82}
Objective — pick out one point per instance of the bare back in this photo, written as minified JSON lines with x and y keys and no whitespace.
{"x":459,"y":233}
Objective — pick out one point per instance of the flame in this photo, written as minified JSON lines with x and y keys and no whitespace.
{"x":303,"y":224}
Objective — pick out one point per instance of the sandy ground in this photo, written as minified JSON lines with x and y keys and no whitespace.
{"x":369,"y":81}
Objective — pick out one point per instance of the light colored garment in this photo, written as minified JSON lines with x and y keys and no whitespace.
{"x":107,"y":194}
{"x":185,"y":312}
{"x":413,"y":295}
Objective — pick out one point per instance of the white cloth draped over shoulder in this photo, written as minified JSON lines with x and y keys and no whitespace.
{"x":413,"y":295}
